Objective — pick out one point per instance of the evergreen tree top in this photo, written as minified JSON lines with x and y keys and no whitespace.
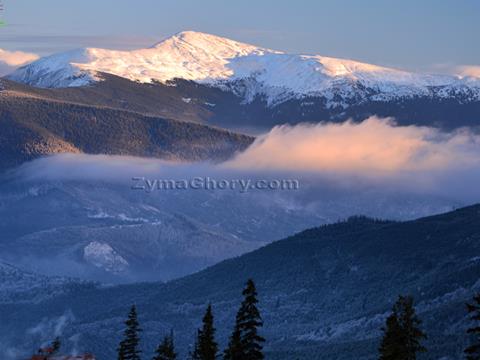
{"x":245,"y":342}
{"x":207,"y":347}
{"x":128,"y":348}
{"x":166,"y":349}
{"x":250,"y":289}
{"x":402,"y":334}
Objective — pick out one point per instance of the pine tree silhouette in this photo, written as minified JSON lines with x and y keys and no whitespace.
{"x":128,"y":348}
{"x":391,"y":347}
{"x":234,"y":350}
{"x":402,"y":333}
{"x":473,"y":351}
{"x":206,"y":347}
{"x":166,"y":349}
{"x":245,"y":342}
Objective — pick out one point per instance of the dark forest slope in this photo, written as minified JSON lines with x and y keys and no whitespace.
{"x":324,"y":292}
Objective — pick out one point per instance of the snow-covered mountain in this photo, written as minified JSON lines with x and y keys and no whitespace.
{"x":247,"y":70}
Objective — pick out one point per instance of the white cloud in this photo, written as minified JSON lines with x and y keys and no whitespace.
{"x":16,"y":58}
{"x":374,"y":154}
{"x":468,"y":70}
{"x":9,"y":60}
{"x":372,"y":148}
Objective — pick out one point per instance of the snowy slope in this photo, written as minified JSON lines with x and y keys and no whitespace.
{"x":187,"y":55}
{"x":245,"y":69}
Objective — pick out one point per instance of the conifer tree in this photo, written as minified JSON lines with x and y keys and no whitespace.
{"x":245,"y":342}
{"x":402,"y":334}
{"x":129,"y":346}
{"x":473,"y":351}
{"x":234,"y":350}
{"x":207,"y":348}
{"x":391,"y":346}
{"x":166,"y":349}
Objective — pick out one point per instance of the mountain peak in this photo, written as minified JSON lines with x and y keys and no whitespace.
{"x":191,"y":36}
{"x":198,"y":37}
{"x":245,"y":69}
{"x":199,"y":43}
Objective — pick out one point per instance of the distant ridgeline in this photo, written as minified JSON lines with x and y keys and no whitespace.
{"x":165,"y":98}
{"x":203,"y":77}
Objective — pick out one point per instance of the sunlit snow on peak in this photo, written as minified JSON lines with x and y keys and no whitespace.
{"x":222,"y":62}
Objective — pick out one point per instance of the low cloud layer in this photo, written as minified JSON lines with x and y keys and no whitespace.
{"x":375,"y":147}
{"x":468,"y":70}
{"x":16,"y":58}
{"x":104,"y":167}
{"x":9,"y":60}
{"x":375,"y":153}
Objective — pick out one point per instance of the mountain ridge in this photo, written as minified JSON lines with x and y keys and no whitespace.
{"x":246,"y":70}
{"x":306,"y":281}
{"x":37,"y":122}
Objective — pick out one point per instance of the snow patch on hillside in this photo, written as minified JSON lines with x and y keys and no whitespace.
{"x":105,"y":257}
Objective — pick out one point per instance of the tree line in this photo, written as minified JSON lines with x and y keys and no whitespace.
{"x":402,"y":334}
{"x":245,"y":342}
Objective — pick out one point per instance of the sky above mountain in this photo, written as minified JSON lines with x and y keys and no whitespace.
{"x":428,"y":35}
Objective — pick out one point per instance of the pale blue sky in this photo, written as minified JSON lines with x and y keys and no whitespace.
{"x":421,"y":34}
